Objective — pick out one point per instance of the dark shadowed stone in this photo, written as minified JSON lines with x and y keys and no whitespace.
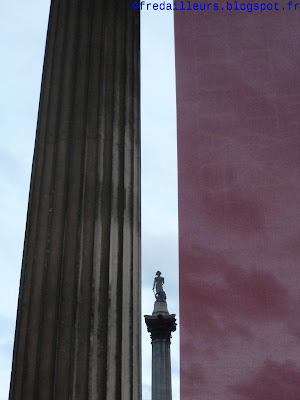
{"x":78,"y":323}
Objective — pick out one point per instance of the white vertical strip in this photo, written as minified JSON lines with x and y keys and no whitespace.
{"x":159,"y":178}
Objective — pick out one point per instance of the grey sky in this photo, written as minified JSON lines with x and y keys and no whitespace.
{"x":22,"y":40}
{"x":159,"y":176}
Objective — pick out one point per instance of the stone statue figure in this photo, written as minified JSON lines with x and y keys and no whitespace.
{"x":159,"y":293}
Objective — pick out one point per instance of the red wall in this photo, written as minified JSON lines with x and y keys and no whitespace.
{"x":238,"y":110}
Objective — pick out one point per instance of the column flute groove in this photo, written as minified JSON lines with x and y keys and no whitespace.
{"x":57,"y":222}
{"x":83,"y":300}
{"x":65,"y":324}
{"x":41,"y":242}
{"x":26,"y":275}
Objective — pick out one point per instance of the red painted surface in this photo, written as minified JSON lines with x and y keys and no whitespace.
{"x":238,"y":107}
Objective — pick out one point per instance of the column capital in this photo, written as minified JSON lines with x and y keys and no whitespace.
{"x":161,"y":326}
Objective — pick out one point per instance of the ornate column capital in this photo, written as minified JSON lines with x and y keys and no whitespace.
{"x":161,"y":326}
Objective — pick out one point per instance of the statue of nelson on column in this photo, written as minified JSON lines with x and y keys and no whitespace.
{"x":158,"y":283}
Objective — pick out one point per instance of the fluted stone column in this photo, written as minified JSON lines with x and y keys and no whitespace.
{"x":161,"y":324}
{"x":78,"y":323}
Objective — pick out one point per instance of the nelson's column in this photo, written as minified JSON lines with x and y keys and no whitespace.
{"x":78,"y":323}
{"x":161,"y":324}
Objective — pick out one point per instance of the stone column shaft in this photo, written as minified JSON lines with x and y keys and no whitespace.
{"x":161,"y":324}
{"x":161,"y":370}
{"x":78,"y":323}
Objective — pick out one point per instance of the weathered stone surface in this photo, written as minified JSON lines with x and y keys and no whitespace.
{"x":78,"y":323}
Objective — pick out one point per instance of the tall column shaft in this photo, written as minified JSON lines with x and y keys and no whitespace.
{"x":161,"y":370}
{"x":161,"y":324}
{"x":78,"y":323}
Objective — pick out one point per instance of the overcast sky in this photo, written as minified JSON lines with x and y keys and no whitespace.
{"x":22,"y":40}
{"x":159,"y":176}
